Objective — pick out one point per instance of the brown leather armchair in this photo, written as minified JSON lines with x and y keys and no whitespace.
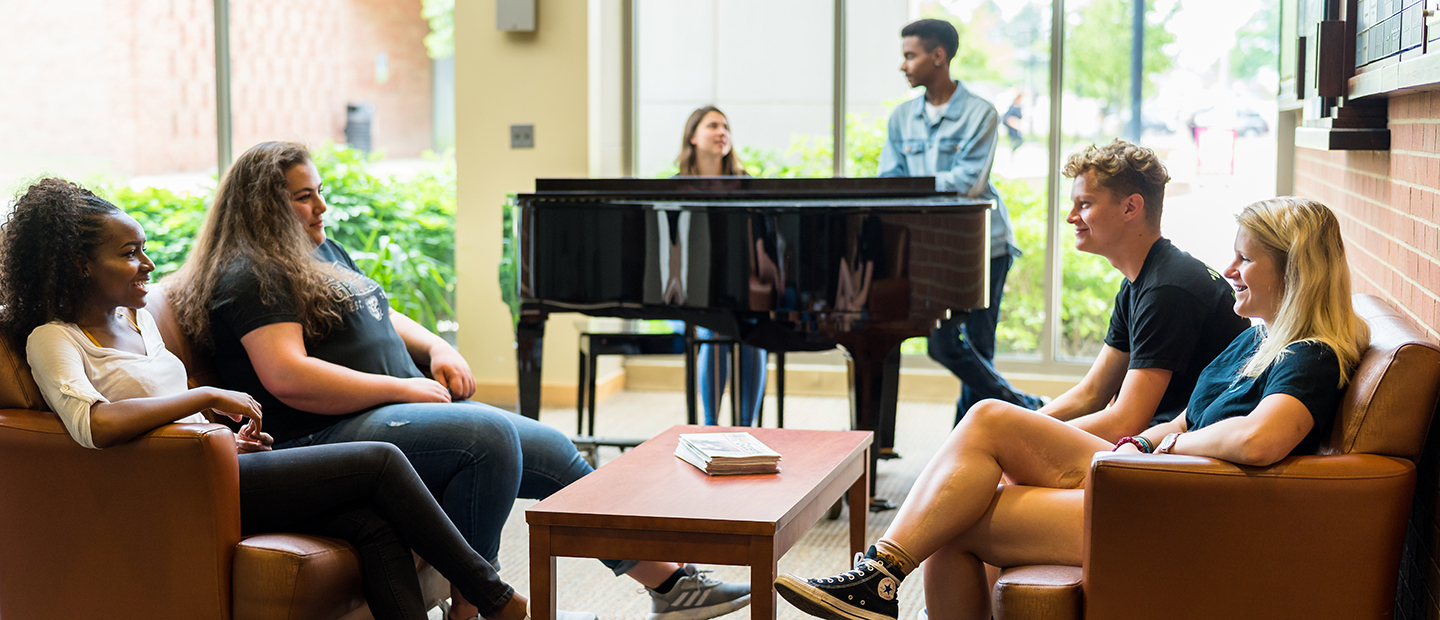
{"x":1308,"y":537}
{"x":150,"y":529}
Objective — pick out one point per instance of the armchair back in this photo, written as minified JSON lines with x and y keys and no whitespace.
{"x":17,"y":385}
{"x":1393,"y":393}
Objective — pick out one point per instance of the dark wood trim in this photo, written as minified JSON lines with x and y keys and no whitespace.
{"x":1342,"y":139}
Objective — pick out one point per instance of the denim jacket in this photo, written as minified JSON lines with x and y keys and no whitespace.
{"x":957,"y":150}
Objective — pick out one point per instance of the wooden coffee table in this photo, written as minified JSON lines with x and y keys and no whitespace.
{"x":649,"y":505}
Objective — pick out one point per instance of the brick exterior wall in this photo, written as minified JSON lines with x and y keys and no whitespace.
{"x":129,"y":85}
{"x":1387,"y":205}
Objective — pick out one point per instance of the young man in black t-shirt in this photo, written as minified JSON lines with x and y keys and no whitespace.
{"x":1173,"y":314}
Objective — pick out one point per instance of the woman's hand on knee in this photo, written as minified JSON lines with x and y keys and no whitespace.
{"x":421,"y":390}
{"x":452,"y":371}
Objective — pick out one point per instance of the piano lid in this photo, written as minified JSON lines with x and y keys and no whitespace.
{"x":751,"y":191}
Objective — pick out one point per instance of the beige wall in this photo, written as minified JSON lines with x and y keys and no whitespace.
{"x":502,"y":78}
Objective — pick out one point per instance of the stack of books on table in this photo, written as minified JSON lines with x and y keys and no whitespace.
{"x":720,"y":454}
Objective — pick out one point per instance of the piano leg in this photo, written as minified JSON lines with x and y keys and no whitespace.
{"x":874,"y":387}
{"x":529,"y":349}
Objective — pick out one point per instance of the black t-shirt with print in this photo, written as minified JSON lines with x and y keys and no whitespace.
{"x":1177,"y":315}
{"x":363,"y":340}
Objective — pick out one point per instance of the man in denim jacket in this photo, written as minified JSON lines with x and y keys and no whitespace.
{"x":951,"y":134}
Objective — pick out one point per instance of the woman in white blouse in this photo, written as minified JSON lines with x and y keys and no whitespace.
{"x":73,"y":277}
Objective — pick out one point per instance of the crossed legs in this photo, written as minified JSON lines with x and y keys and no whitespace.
{"x":958,"y":516}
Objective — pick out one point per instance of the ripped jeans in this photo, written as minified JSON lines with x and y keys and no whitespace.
{"x":475,"y":459}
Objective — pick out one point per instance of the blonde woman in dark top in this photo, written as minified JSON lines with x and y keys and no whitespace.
{"x":1274,"y":392}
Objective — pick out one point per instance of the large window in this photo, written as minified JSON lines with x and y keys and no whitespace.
{"x":1206,"y":101}
{"x":766,"y":65}
{"x":122,"y":98}
{"x":1207,"y":106}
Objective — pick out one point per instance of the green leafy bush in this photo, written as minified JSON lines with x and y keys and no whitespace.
{"x":171,"y":222}
{"x":509,"y":264}
{"x":400,"y":229}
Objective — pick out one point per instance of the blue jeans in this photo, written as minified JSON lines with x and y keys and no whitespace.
{"x":475,"y":459}
{"x":966,"y":346}
{"x":714,"y":370}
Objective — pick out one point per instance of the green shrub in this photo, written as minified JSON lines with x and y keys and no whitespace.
{"x":171,"y":222}
{"x":509,"y":266}
{"x":1022,"y":310}
{"x":399,"y":229}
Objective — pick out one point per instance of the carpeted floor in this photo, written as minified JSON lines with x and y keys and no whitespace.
{"x":587,"y":585}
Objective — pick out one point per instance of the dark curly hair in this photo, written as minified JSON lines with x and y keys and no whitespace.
{"x":50,"y":235}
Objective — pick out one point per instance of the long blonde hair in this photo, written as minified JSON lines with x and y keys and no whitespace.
{"x":1303,"y":237}
{"x":689,"y":163}
{"x":252,"y":226}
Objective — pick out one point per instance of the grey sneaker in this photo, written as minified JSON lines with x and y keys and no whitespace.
{"x":698,"y":597}
{"x":866,"y":592}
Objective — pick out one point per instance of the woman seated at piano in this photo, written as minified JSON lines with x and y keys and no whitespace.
{"x":73,"y":279}
{"x":289,"y":318}
{"x":706,"y":150}
{"x":1274,"y":392}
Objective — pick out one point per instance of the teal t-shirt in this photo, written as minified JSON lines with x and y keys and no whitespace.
{"x":1309,"y":371}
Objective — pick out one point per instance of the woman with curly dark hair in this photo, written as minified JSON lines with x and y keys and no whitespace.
{"x":73,"y":278}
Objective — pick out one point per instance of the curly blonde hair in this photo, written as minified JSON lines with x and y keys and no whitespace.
{"x":1125,"y":168}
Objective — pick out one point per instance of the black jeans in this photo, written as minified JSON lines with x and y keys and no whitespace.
{"x":367,"y":493}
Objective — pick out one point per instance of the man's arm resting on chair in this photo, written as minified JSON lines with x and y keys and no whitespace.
{"x":1136,"y":393}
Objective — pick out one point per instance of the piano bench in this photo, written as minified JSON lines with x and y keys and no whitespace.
{"x":589,"y":447}
{"x":592,"y":346}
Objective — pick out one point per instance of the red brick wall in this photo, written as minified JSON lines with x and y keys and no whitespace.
{"x":128,"y":85}
{"x":1387,"y":203}
{"x":296,"y":65}
{"x":1387,"y":206}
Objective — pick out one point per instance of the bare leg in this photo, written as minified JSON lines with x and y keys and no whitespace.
{"x":1023,"y":525}
{"x":958,"y":487}
{"x":958,"y":517}
{"x":513,"y":610}
{"x":462,"y":609}
{"x":652,"y":574}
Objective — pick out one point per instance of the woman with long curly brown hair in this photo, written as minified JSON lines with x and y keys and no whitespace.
{"x":74,"y":280}
{"x":289,"y":318}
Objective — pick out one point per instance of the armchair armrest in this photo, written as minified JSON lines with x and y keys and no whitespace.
{"x":1158,"y":525}
{"x":148,"y":527}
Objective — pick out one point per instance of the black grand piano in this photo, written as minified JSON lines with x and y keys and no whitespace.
{"x":784,"y":264}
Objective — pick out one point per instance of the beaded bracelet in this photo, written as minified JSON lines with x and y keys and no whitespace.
{"x":1131,"y":440}
{"x":1147,"y":447}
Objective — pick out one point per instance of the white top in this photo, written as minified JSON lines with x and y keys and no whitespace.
{"x":74,"y":374}
{"x":933,"y":112}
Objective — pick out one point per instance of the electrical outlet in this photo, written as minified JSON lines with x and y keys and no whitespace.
{"x":522,"y":136}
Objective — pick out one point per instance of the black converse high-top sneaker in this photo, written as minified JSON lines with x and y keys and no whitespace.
{"x":866,"y":592}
